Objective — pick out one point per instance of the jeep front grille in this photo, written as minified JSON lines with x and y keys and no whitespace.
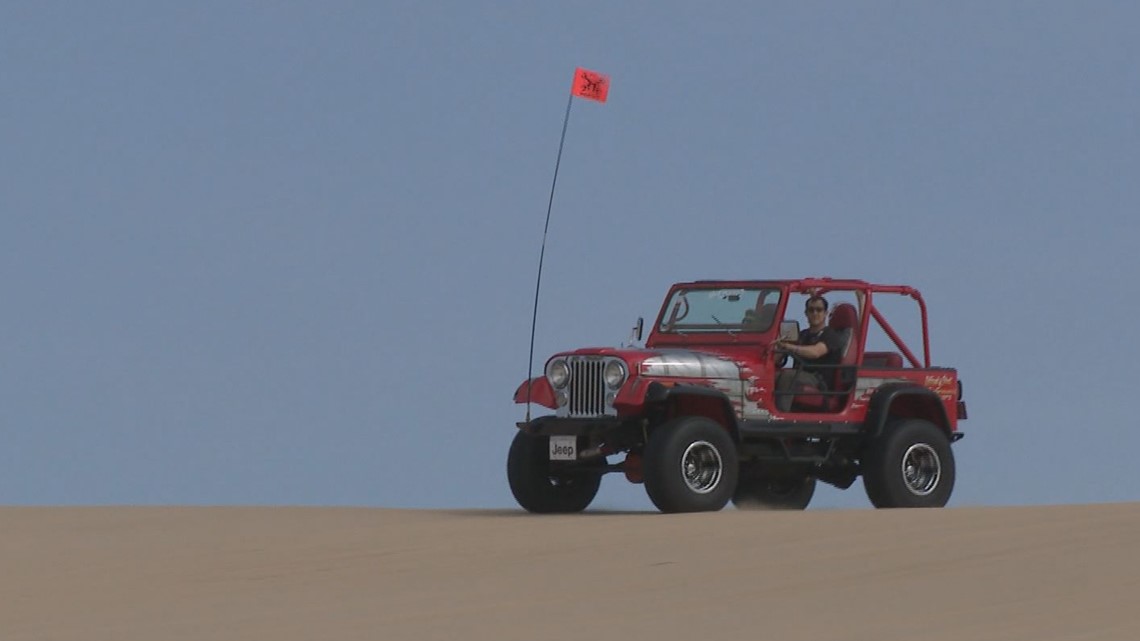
{"x":587,"y":393}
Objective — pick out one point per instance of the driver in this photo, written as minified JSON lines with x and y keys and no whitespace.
{"x":817,"y":345}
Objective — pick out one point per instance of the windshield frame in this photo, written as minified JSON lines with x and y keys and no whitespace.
{"x":753,"y":309}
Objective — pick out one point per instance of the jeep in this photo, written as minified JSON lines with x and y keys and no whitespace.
{"x":697,"y":414}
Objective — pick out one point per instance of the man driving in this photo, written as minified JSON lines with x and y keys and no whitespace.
{"x":817,"y":345}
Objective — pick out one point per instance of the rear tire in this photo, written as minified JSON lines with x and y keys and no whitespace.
{"x":910,"y":465}
{"x":539,"y":490}
{"x":690,"y":465}
{"x":774,"y":493}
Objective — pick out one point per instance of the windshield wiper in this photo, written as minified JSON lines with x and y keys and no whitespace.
{"x":731,"y":332}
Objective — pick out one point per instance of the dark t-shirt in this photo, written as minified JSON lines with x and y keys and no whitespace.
{"x":835,"y":342}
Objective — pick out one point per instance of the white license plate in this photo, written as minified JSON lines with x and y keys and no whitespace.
{"x":563,"y":448}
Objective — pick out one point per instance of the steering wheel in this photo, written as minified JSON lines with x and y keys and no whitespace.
{"x":781,"y":357}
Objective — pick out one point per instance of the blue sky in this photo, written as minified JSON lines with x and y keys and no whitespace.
{"x":285,"y":254}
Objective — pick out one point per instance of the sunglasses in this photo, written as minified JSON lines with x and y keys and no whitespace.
{"x":815,"y":309}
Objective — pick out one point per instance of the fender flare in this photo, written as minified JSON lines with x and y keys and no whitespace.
{"x":541,"y":393}
{"x":660,"y":395}
{"x":880,"y":407}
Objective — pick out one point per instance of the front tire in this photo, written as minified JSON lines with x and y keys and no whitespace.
{"x":539,"y":489}
{"x":774,"y":493}
{"x":690,"y":466}
{"x":910,"y":465}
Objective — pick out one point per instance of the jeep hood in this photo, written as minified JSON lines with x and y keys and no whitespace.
{"x":680,"y":363}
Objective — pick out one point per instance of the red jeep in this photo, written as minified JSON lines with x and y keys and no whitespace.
{"x":695,"y":411}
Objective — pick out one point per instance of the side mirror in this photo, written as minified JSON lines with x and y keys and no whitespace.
{"x":637,"y":328}
{"x":790,"y":330}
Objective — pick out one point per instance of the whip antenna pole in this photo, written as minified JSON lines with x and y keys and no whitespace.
{"x":542,"y":254}
{"x":592,"y":86}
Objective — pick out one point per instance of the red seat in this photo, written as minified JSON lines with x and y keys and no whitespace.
{"x":845,"y":320}
{"x":882,"y":359}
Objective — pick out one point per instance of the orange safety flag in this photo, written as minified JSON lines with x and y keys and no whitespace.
{"x":590,"y":84}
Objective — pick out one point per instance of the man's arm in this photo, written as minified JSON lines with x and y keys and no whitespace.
{"x":830,"y":341}
{"x":813,"y":351}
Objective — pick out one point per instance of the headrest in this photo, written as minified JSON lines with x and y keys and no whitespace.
{"x":844,"y":316}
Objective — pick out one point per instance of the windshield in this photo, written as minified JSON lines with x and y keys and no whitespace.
{"x":716,"y":309}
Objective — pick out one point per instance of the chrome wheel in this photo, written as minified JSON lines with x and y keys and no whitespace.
{"x":701,"y":467}
{"x":921,"y":469}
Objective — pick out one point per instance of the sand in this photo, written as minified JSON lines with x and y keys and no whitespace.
{"x":165,"y":573}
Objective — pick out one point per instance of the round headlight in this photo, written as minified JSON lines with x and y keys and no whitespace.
{"x":614,"y":374}
{"x":558,"y":373}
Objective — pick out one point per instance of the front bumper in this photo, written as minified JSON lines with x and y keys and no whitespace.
{"x":567,"y":426}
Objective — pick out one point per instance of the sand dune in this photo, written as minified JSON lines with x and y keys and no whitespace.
{"x":1033,"y":573}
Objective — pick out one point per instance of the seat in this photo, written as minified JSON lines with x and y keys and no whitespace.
{"x":760,"y":319}
{"x":888,"y":360}
{"x":844,"y":320}
{"x":765,"y":316}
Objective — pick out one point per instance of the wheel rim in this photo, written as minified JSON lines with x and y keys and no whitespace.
{"x":701,"y":467}
{"x":921,"y":469}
